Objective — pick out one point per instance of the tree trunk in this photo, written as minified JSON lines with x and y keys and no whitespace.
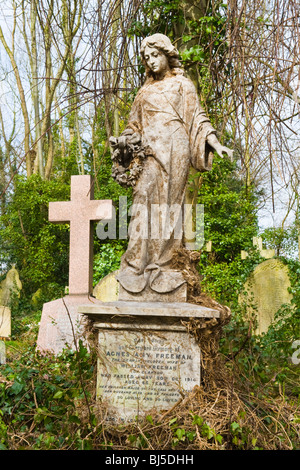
{"x":35,"y":90}
{"x":22,"y":101}
{"x":192,"y":10}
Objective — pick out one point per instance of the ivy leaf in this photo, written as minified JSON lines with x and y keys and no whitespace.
{"x":17,"y":387}
{"x":197,"y":420}
{"x":74,"y":419}
{"x":191,"y":435}
{"x":149,"y":419}
{"x":180,"y":433}
{"x":235,"y":427}
{"x":172,"y":421}
{"x":58,"y":395}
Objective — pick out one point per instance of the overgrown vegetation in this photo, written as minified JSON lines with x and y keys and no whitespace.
{"x":249,"y":396}
{"x":248,"y":399}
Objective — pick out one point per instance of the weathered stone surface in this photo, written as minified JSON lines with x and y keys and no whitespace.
{"x":147,"y":360}
{"x":166,"y":133}
{"x":267,"y":289}
{"x":5,"y":322}
{"x":2,"y":352}
{"x":139,"y":371}
{"x":107,"y":290}
{"x":11,"y":285}
{"x":61,"y":325}
{"x":148,"y":295}
{"x":175,"y":310}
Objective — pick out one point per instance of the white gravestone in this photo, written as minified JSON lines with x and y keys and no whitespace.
{"x":2,"y":352}
{"x":5,"y":322}
{"x":5,"y":331}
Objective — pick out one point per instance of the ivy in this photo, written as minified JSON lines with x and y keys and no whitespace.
{"x":46,"y":393}
{"x":230,"y":222}
{"x":107,"y":259}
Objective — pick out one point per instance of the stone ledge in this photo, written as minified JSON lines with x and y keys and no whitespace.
{"x":139,"y":326}
{"x":179,"y":310}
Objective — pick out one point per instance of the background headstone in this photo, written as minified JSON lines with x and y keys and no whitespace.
{"x":208,"y":246}
{"x":2,"y":352}
{"x":11,"y":285}
{"x":107,"y":290}
{"x":5,"y":322}
{"x":267,"y":290}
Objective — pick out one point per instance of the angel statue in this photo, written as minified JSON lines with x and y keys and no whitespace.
{"x":166,"y":133}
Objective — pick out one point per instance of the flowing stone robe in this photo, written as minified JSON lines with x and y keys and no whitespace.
{"x":168,"y":116}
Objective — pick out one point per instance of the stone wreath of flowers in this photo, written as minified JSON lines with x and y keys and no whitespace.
{"x":128,"y":156}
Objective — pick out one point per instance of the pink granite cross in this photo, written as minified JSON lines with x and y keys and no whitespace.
{"x":80,"y":212}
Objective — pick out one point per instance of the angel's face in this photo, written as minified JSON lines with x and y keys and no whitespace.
{"x":156,"y":60}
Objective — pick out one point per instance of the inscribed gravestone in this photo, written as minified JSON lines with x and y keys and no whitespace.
{"x":267,"y":288}
{"x":147,"y":359}
{"x":145,"y":371}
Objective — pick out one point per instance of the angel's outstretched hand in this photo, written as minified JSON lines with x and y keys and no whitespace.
{"x":219,"y":148}
{"x":222,"y":149}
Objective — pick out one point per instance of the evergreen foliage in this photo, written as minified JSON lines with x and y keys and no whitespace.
{"x":37,"y":247}
{"x":230,"y":222}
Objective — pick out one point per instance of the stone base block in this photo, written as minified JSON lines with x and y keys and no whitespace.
{"x":148,"y":295}
{"x":61,"y":324}
{"x":146,"y":358}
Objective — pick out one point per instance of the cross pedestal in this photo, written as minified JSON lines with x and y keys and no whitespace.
{"x":60,"y":320}
{"x":147,"y":358}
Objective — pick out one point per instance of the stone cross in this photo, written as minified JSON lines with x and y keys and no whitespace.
{"x":257,"y":241}
{"x":80,"y":212}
